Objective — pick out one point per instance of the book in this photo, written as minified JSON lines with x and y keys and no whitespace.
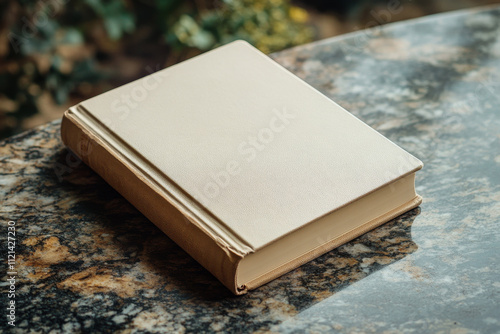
{"x":249,"y":169}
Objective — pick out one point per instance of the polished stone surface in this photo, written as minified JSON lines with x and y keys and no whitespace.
{"x":88,"y":261}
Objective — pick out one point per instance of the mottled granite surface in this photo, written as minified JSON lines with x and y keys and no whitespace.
{"x":87,"y":261}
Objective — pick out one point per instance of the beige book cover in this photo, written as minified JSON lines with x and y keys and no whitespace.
{"x":245,"y":166}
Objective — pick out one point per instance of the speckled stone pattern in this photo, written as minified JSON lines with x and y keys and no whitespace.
{"x":87,"y":261}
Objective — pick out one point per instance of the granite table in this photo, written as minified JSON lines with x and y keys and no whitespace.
{"x":87,"y":261}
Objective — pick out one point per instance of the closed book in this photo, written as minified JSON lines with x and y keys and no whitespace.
{"x":245,"y":166}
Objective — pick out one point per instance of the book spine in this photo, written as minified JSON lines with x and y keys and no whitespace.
{"x":136,"y":189}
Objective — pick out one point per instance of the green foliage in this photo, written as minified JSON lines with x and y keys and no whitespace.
{"x":116,"y":18}
{"x":269,"y":25}
{"x":55,"y":47}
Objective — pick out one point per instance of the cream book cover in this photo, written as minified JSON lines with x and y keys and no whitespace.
{"x":248,"y":168}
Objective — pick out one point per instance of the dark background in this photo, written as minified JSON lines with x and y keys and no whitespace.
{"x":56,"y":53}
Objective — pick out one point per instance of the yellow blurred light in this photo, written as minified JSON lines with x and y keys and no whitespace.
{"x":298,"y":14}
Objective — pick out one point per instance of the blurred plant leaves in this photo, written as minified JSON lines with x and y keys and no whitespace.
{"x":116,"y":18}
{"x":72,"y":36}
{"x":55,"y":46}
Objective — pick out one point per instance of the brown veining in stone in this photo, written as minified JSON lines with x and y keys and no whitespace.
{"x":88,"y":262}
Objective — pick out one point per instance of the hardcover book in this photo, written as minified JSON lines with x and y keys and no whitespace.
{"x":245,"y":166}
